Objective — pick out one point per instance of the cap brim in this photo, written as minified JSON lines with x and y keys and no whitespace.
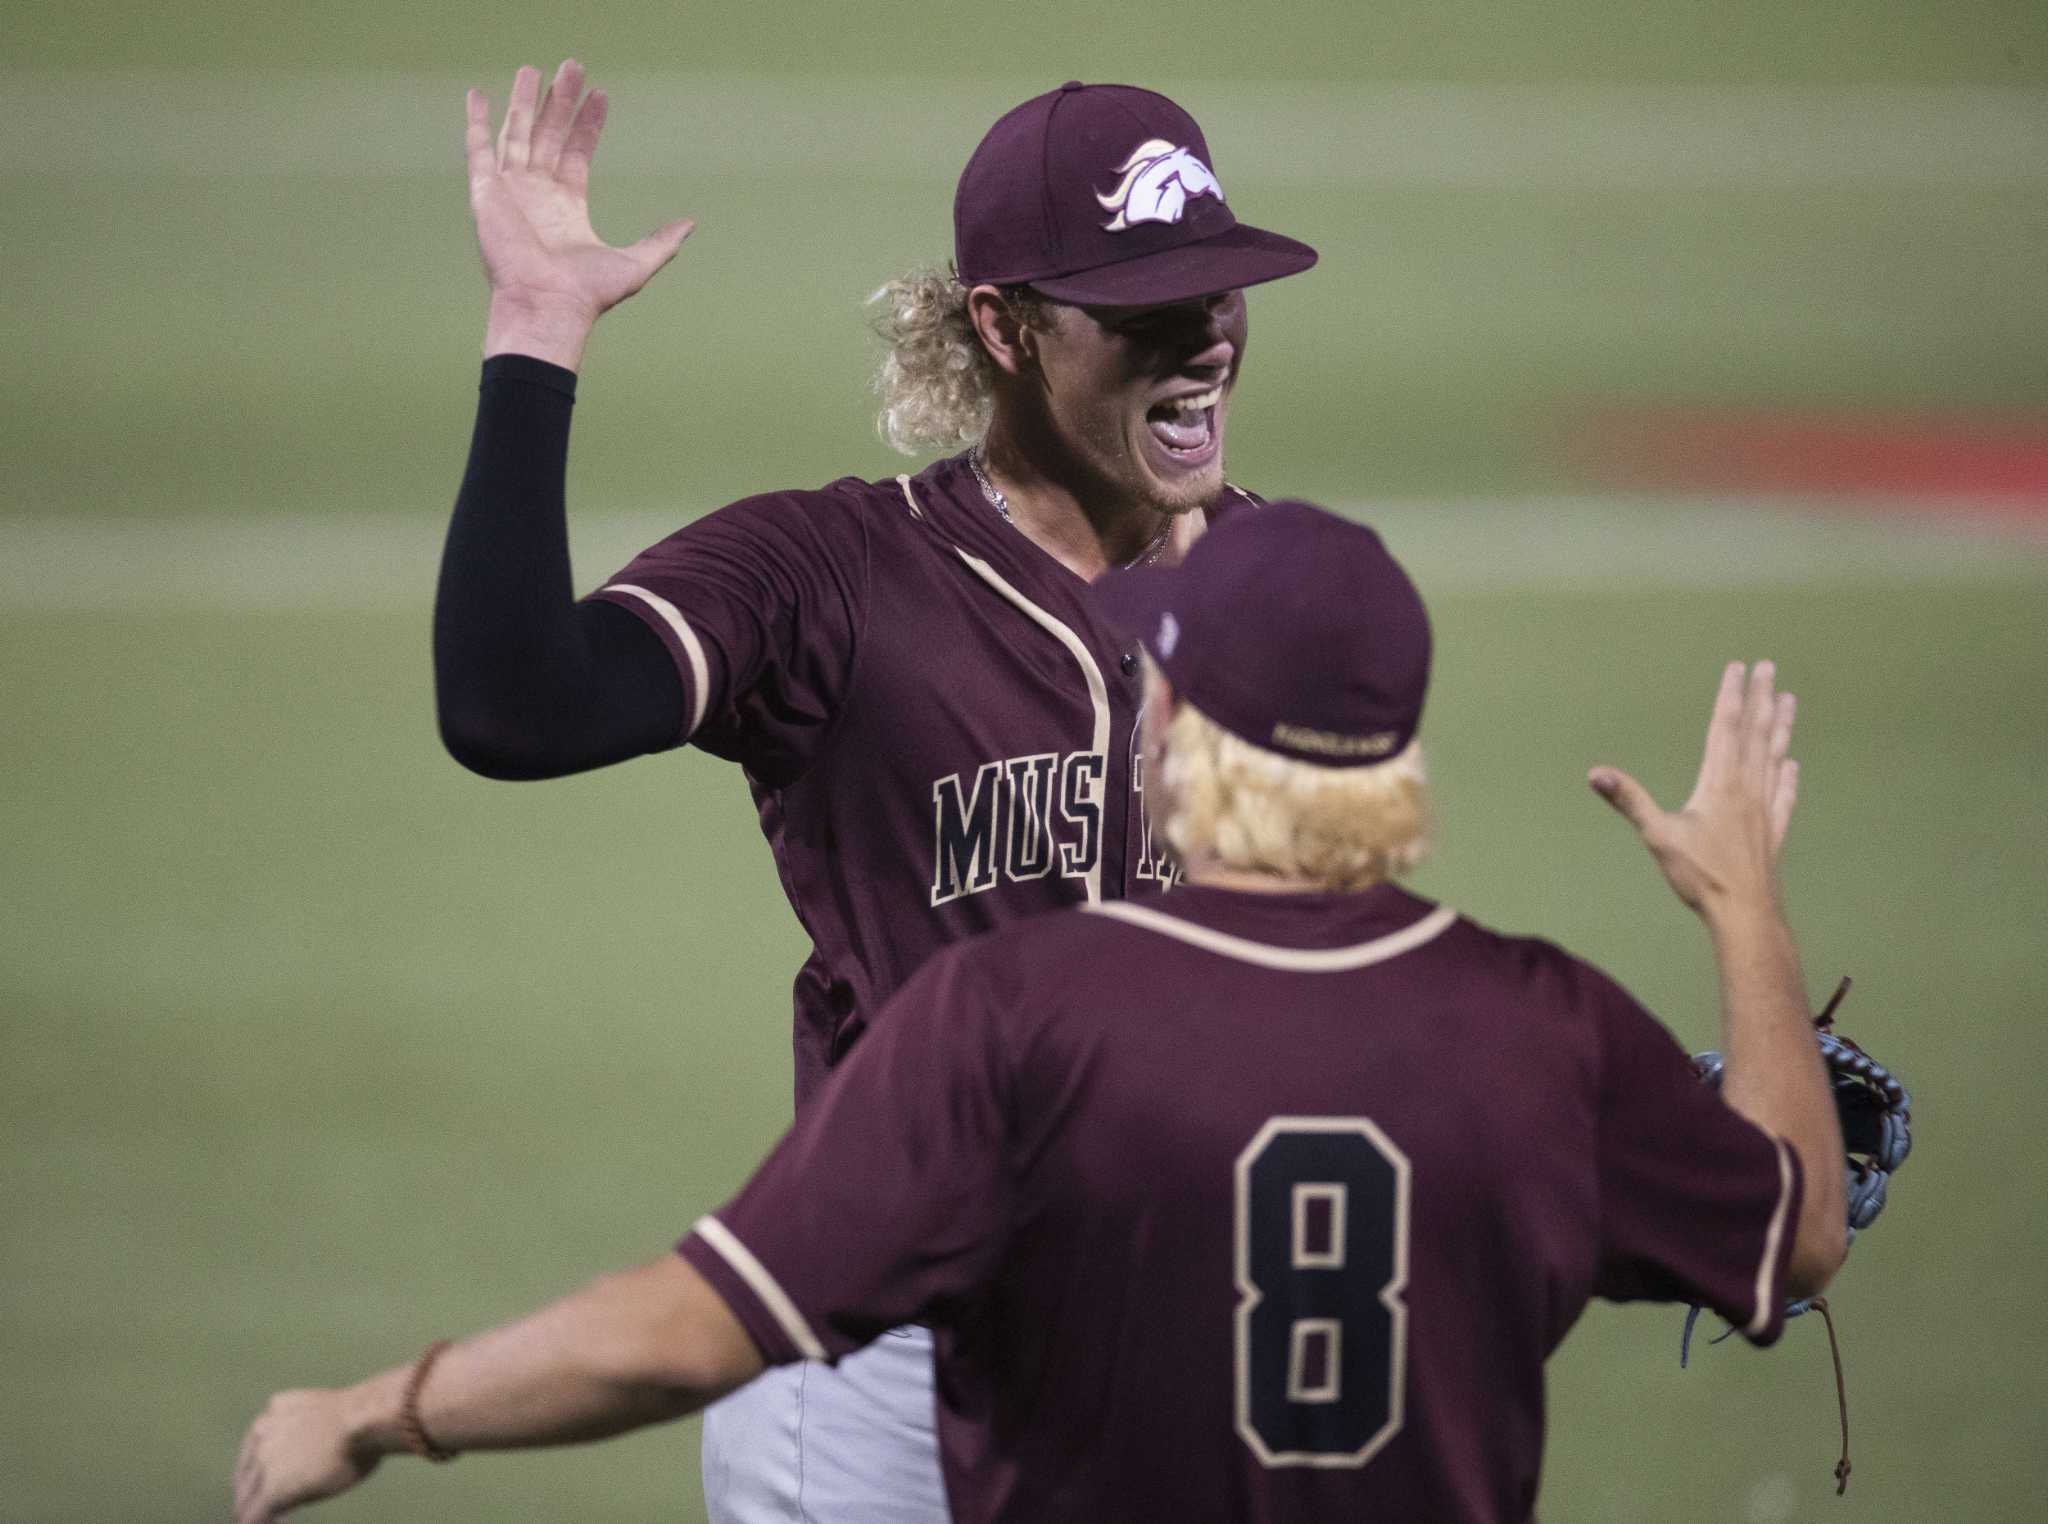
{"x":1237,"y":257}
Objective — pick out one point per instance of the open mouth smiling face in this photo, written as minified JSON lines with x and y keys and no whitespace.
{"x":1161,"y":378}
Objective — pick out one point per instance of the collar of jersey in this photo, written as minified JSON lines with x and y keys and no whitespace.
{"x":1414,"y":922}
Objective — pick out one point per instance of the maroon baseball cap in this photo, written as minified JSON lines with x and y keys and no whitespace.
{"x":1291,"y":628}
{"x":1104,"y":194}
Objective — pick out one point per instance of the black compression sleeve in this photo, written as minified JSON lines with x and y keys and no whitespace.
{"x":528,"y":682}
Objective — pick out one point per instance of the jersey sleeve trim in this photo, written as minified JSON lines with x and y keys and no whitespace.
{"x":1768,"y":1292}
{"x":686,"y":641}
{"x":1328,"y":960}
{"x":719,"y":1238}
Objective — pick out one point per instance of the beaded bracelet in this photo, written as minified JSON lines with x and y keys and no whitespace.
{"x":410,"y":1429}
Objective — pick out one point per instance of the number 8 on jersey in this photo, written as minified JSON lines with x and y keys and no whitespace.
{"x":1322,"y":1258}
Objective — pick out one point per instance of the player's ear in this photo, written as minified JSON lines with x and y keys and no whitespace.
{"x":1001,"y":329}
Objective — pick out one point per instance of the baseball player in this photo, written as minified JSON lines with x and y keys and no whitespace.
{"x":938,"y":727}
{"x":1263,"y":1200}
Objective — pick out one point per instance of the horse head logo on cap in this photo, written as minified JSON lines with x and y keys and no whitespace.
{"x":1159,"y":179}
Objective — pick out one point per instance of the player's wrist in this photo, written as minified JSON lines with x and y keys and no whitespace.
{"x":554,"y":329}
{"x":372,"y":1415}
{"x":1738,"y":898}
{"x":1750,"y":919}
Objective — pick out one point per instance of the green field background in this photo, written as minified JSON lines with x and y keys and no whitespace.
{"x":316,"y":1047}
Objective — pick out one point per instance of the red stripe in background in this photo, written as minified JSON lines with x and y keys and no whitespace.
{"x":1969,"y":464}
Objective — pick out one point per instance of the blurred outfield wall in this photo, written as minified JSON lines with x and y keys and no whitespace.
{"x":1529,"y":215}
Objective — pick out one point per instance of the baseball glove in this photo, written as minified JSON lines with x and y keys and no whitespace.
{"x":1876,"y":1113}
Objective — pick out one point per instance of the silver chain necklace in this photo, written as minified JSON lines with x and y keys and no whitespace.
{"x":1001,"y":504}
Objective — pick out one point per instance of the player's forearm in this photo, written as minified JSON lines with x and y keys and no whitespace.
{"x":529,"y":683}
{"x":637,"y":1348}
{"x":1774,"y":1075}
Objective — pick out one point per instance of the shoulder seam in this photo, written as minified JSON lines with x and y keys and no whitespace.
{"x":857,"y":632}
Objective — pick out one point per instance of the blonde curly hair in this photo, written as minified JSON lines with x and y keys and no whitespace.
{"x":1241,"y":806}
{"x":936,"y":381}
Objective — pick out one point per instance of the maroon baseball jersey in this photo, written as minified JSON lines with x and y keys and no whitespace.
{"x":1251,"y":1207}
{"x":938,"y":728}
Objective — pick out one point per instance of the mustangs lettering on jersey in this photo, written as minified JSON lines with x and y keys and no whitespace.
{"x":1026,"y":817}
{"x":1017,"y":819}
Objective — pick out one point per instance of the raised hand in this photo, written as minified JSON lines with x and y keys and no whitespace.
{"x":551,"y":275}
{"x":1720,"y":851}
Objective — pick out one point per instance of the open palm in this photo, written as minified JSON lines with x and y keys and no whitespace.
{"x":1720,"y":849}
{"x":529,"y":193}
